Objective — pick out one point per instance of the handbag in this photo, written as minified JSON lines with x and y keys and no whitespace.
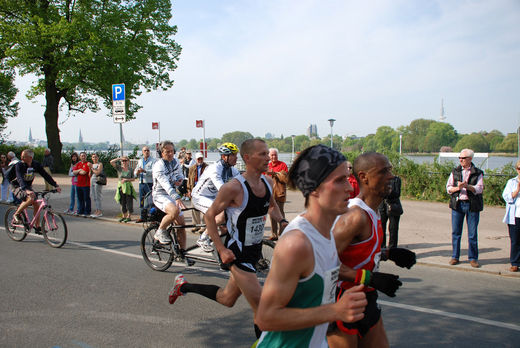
{"x":101,"y":179}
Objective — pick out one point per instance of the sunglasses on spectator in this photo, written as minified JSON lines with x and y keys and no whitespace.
{"x":463,"y":157}
{"x":517,"y":168}
{"x":146,"y":150}
{"x":124,"y":161}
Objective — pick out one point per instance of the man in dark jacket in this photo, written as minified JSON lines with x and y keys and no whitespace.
{"x":391,"y":210}
{"x":48,"y":166}
{"x":22,"y":184}
{"x":465,"y":185}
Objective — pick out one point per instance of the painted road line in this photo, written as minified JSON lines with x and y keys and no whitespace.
{"x":451,"y":315}
{"x":386,"y":303}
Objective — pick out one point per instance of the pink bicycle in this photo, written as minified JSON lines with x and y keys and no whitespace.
{"x":53,"y":226}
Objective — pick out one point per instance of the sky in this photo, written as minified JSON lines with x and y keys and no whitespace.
{"x":263,"y":66}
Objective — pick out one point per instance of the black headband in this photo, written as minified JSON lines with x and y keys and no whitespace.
{"x":315,"y":165}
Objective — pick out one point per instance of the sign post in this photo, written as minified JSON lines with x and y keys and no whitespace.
{"x":202,"y":124}
{"x":119,"y":109}
{"x":157,"y":125}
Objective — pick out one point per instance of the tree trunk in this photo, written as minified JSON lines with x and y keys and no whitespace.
{"x":52,"y":99}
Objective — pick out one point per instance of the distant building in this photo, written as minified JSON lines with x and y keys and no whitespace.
{"x":80,"y":140}
{"x":30,"y":139}
{"x":269,"y":135}
{"x":312,"y":131}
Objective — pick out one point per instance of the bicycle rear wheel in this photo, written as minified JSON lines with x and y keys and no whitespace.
{"x":157,"y":256}
{"x":264,"y":264}
{"x":54,"y":229}
{"x":16,"y":232}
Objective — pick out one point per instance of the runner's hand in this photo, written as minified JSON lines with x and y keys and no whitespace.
{"x":352,"y":304}
{"x":402,"y":257}
{"x":227,"y":256}
{"x":386,"y":283}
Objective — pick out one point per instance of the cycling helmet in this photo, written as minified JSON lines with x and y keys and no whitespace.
{"x":228,"y":149}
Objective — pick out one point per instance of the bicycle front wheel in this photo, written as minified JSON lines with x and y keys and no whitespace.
{"x":54,"y":229}
{"x":15,"y":231}
{"x":264,"y":264}
{"x":158,"y":257}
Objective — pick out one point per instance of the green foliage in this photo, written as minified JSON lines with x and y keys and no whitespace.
{"x":104,"y":157}
{"x":509,"y":144}
{"x":475,"y":141}
{"x":428,"y":181}
{"x":78,"y":49}
{"x":8,"y":91}
{"x":439,"y":134}
{"x":236,"y":137}
{"x":494,"y":138}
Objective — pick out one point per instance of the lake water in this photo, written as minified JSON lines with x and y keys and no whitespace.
{"x":492,"y":162}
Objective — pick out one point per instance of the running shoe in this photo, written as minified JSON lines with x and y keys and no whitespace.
{"x":207,"y":246}
{"x":37,"y":230}
{"x":204,"y":242}
{"x":163,"y":237}
{"x":202,"y":239}
{"x":176,"y":290}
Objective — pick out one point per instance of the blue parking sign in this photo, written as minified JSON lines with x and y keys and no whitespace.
{"x":118,"y":91}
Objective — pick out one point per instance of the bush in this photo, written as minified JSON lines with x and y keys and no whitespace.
{"x":428,"y":181}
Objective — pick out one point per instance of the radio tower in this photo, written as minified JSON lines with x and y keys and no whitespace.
{"x":442,"y":118}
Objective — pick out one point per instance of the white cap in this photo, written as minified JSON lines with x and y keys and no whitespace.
{"x":198,"y":155}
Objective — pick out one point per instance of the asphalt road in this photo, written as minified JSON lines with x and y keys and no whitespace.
{"x":97,"y":291}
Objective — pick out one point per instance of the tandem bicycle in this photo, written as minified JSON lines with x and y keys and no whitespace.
{"x":53,"y":226}
{"x":160,"y":257}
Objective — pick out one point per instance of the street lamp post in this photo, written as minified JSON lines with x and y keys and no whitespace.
{"x":331,"y":120}
{"x":400,"y":144}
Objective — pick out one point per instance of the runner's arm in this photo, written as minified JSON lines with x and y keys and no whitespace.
{"x":293,"y":260}
{"x":225,"y":197}
{"x":346,"y":229}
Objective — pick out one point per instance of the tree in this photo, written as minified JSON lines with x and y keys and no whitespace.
{"x":7,"y":92}
{"x":509,"y":144}
{"x":494,"y":138}
{"x":78,"y":49}
{"x":439,"y":134}
{"x":414,"y":134}
{"x":236,"y":137}
{"x":193,"y":145}
{"x":384,"y":138}
{"x":474,"y":141}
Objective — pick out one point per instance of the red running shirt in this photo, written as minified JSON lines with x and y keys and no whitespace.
{"x":365,"y":254}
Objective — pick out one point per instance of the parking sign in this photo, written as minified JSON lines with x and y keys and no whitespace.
{"x":118,"y":103}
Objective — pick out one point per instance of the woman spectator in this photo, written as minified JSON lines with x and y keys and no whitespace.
{"x":125,"y":193}
{"x":5,"y":182}
{"x":74,"y":159}
{"x":97,"y":195}
{"x":512,"y":217}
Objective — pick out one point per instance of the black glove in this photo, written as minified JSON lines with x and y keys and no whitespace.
{"x":384,"y":282}
{"x":402,"y":257}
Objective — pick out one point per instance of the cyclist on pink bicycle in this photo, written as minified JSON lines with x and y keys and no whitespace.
{"x":21,"y":178}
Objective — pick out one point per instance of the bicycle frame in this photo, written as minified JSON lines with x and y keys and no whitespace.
{"x":36,"y":216}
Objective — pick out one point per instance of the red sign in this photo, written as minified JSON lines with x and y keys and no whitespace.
{"x":155,"y":125}
{"x":199,"y":123}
